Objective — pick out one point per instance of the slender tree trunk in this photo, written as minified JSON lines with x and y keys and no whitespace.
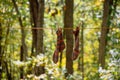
{"x":23,"y":49}
{"x":81,"y":57}
{"x":0,"y":51}
{"x":37,"y":19}
{"x":7,"y":71}
{"x":68,"y":23}
{"x":3,"y":63}
{"x":82,"y":50}
{"x":6,"y":63}
{"x":104,"y":31}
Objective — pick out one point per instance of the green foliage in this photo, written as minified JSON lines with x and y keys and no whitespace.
{"x":113,"y":69}
{"x":87,"y":11}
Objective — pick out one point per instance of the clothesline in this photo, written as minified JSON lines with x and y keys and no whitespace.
{"x":37,"y":28}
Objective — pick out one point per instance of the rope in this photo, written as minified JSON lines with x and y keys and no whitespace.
{"x":36,"y":28}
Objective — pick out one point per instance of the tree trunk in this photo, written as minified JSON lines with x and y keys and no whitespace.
{"x":37,"y":19}
{"x":0,"y":51}
{"x":23,"y":49}
{"x":82,"y":50}
{"x":104,"y":31}
{"x":68,"y":23}
{"x":40,"y":22}
{"x":34,"y":13}
{"x":7,"y":71}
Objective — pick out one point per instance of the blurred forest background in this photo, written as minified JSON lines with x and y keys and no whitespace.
{"x":28,"y":39}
